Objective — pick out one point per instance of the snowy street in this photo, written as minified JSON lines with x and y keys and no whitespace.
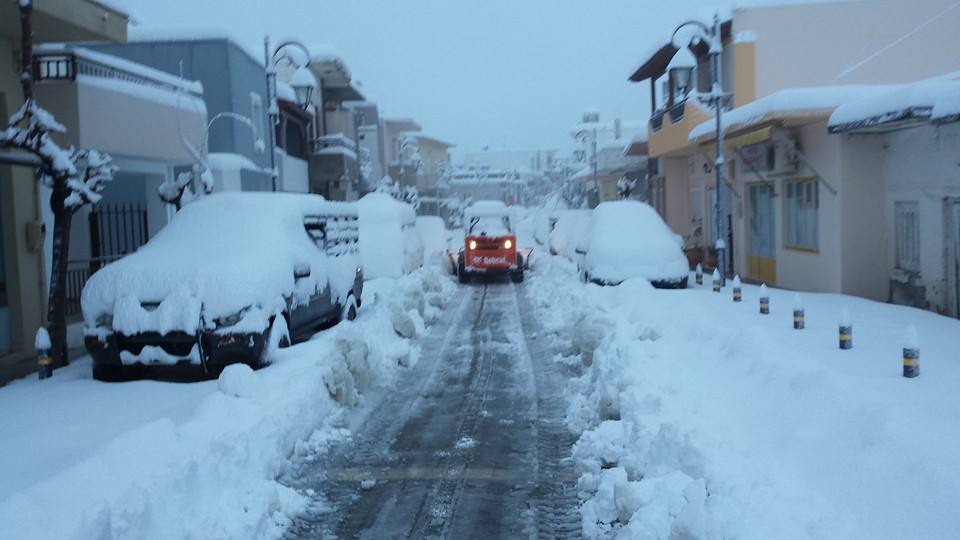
{"x":541,"y":270}
{"x":471,"y":444}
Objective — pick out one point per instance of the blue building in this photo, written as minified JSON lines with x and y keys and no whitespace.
{"x":233,"y":82}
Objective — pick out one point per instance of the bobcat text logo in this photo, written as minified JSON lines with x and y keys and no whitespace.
{"x":489,"y":260}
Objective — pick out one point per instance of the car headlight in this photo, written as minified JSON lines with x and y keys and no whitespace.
{"x":105,"y":320}
{"x":507,"y":244}
{"x":230,"y":320}
{"x":473,"y":244}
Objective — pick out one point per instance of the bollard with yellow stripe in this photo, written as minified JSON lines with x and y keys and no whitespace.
{"x":764,"y":300}
{"x":911,"y":353}
{"x":798,"y":315}
{"x":716,"y":280}
{"x":699,"y":274}
{"x":737,"y":289}
{"x":44,"y":361}
{"x":846,"y":330}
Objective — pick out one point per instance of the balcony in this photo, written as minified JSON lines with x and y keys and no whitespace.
{"x":118,"y":106}
{"x":333,"y":167}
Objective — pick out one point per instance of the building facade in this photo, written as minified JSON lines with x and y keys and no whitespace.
{"x":23,"y":284}
{"x":234,"y":86}
{"x":768,"y":51}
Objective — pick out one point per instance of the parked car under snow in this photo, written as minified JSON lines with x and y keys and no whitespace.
{"x":231,"y":278}
{"x":569,"y":228}
{"x":628,"y":239}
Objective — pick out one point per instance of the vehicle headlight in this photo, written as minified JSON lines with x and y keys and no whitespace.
{"x":230,"y":320}
{"x":473,"y":244}
{"x":507,"y":244}
{"x":105,"y":320}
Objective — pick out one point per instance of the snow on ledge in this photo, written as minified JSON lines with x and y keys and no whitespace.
{"x":935,"y":100}
{"x":791,"y":101}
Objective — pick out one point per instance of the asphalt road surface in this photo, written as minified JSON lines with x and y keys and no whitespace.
{"x":471,"y":444}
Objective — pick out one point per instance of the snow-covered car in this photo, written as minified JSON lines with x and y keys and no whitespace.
{"x":569,"y":228}
{"x":232,"y":278}
{"x":628,"y":239}
{"x":390,"y":246}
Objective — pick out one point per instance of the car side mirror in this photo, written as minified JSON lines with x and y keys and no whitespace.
{"x":300,"y":272}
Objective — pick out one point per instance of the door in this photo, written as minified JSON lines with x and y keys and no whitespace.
{"x":761,"y":235}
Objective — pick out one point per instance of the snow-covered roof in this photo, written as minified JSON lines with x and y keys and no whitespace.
{"x":122,"y":64}
{"x":934,"y":100}
{"x":147,"y":34}
{"x":809,"y":102}
{"x":420,"y":136}
{"x":486,"y":209}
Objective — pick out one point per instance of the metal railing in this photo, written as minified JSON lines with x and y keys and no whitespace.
{"x":78,"y":273}
{"x":68,"y":65}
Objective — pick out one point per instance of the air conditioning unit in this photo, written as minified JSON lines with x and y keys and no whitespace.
{"x":783,"y":158}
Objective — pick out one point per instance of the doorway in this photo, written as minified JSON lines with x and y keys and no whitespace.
{"x":761,"y":234}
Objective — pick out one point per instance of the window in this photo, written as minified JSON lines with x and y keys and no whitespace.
{"x":257,"y":120}
{"x":907,"y":235}
{"x":802,"y":214}
{"x":295,"y":145}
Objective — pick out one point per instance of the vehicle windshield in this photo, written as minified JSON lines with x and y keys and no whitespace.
{"x":490,"y":226}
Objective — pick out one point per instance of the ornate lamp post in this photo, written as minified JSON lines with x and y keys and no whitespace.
{"x":303,"y":82}
{"x":681,"y":73}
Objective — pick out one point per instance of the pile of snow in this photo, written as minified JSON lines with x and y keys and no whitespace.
{"x":389,"y":244}
{"x":433,"y":236}
{"x":152,"y":460}
{"x":227,"y":252}
{"x":629,"y":239}
{"x":545,"y":217}
{"x":569,"y":229}
{"x":701,"y":418}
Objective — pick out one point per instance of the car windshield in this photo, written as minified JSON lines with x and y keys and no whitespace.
{"x":490,"y":226}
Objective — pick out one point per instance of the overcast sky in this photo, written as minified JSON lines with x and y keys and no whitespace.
{"x":503,"y":73}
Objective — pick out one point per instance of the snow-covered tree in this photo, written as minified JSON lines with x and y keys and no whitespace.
{"x":626,"y":186}
{"x":187,"y":186}
{"x":408,"y":194}
{"x":75,"y":178}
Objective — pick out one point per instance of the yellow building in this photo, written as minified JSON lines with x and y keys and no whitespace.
{"x":22,"y":277}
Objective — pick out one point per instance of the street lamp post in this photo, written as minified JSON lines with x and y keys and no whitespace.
{"x":359,"y":118}
{"x":302,"y":81}
{"x":718,"y":100}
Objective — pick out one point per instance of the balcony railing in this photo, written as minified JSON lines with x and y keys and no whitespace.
{"x":335,"y":144}
{"x":676,"y":111}
{"x":52,"y":63}
{"x":656,"y":121}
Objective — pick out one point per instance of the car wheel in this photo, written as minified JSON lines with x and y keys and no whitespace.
{"x":350,"y":308}
{"x":517,"y":277}
{"x":110,"y":373}
{"x":278,"y":338}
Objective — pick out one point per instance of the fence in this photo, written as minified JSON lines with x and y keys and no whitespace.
{"x":115,"y":230}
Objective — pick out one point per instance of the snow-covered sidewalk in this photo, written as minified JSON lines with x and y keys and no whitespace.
{"x":147,"y":459}
{"x":700,"y":416}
